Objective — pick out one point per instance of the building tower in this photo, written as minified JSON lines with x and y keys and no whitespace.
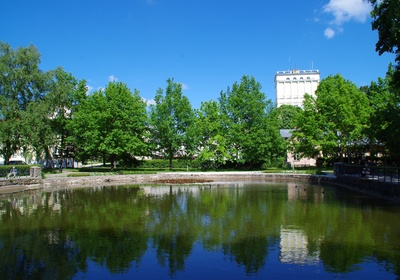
{"x":291,"y":86}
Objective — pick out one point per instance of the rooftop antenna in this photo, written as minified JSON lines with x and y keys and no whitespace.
{"x":312,"y":65}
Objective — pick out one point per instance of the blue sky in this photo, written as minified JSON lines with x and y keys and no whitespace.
{"x":204,"y":45}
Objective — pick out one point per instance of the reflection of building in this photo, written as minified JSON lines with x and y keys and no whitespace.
{"x":294,"y":248}
{"x":296,"y":192}
{"x":299,"y":192}
{"x":165,"y":190}
{"x":291,"y":86}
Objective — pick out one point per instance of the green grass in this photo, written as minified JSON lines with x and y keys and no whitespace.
{"x":106,"y":171}
{"x":301,"y":170}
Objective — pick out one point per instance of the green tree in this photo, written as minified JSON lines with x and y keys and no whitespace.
{"x":333,"y":123}
{"x":65,"y":91}
{"x":386,"y":20}
{"x":213,"y":144}
{"x":38,"y":133}
{"x":171,"y":122}
{"x":286,"y":116}
{"x":385,"y":102}
{"x":251,"y":132}
{"x":21,"y":82}
{"x":110,"y":123}
{"x":46,"y":120}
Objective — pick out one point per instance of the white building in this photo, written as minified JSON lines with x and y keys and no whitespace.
{"x":291,"y":86}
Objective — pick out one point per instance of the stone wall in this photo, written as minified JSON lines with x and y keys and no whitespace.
{"x":373,"y":187}
{"x":214,"y":177}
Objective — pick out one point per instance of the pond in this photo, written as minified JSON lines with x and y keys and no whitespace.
{"x":241,"y":230}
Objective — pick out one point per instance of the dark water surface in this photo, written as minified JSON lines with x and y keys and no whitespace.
{"x":230,"y":231}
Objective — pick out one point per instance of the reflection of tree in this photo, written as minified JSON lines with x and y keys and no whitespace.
{"x":251,"y":252}
{"x":116,"y":250}
{"x":173,"y":250}
{"x":342,"y":257}
{"x":104,"y":225}
{"x":34,"y":254}
{"x":174,"y":228}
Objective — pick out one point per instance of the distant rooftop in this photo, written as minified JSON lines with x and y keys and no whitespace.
{"x":296,"y":71}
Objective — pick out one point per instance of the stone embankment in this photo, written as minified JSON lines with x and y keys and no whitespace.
{"x":168,"y":178}
{"x":58,"y":181}
{"x":62,"y":181}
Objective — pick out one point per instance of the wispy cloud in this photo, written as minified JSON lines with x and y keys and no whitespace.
{"x":184,"y":86}
{"x":88,"y":88}
{"x":149,"y":101}
{"x":112,"y":78}
{"x":329,"y":33}
{"x":344,"y":11}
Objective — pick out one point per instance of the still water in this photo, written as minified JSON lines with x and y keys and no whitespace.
{"x":228,"y":231}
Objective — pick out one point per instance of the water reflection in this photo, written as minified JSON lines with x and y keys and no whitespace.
{"x":314,"y":230}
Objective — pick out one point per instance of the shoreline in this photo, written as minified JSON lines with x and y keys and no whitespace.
{"x":62,"y":181}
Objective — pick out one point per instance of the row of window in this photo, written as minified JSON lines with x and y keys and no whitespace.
{"x":301,"y":78}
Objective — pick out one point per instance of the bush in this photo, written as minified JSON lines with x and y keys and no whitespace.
{"x":23,"y":170}
{"x":163,"y":164}
{"x":80,"y":174}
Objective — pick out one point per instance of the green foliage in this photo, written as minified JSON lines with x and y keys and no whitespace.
{"x":172,"y":123}
{"x":214,"y":147}
{"x":79,"y":174}
{"x":149,"y":165}
{"x":286,"y":116}
{"x":251,"y":132}
{"x":35,"y":105}
{"x":386,"y":20}
{"x":23,"y":170}
{"x":21,"y":82}
{"x":384,"y":119}
{"x":44,"y":112}
{"x":335,"y":122}
{"x":110,"y":124}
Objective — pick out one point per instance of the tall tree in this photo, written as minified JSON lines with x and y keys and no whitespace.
{"x":38,"y":134}
{"x":250,"y":130}
{"x":212,"y":142}
{"x":386,"y":20}
{"x":21,"y":82}
{"x":110,"y":123}
{"x":385,"y":102}
{"x":171,"y":122}
{"x":333,"y":123}
{"x":64,"y":92}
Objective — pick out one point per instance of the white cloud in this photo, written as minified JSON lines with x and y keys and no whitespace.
{"x":347,"y":10}
{"x":149,"y":101}
{"x":329,"y":33}
{"x":112,"y":78}
{"x":88,"y":88}
{"x":184,"y":86}
{"x":344,"y":11}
